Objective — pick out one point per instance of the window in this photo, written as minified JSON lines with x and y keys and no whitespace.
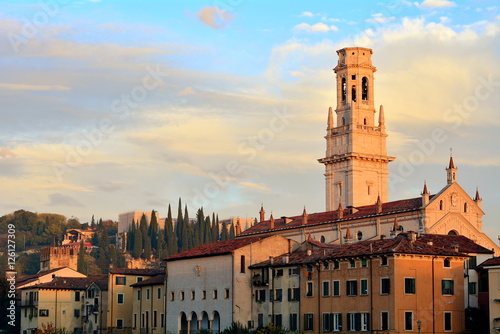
{"x":446,"y":263}
{"x":408,"y":321}
{"x":260,"y":295}
{"x":352,"y":288}
{"x":77,"y":313}
{"x":472,"y":288}
{"x":364,"y":263}
{"x":326,"y":288}
{"x":294,"y":322}
{"x":162,"y":320}
{"x":448,"y":287}
{"x":359,"y":235}
{"x":364,"y":287}
{"x":365,"y":322}
{"x":309,"y":289}
{"x":242,"y":264}
{"x":447,"y":321}
{"x":326,"y":323}
{"x":260,"y":320}
{"x":293,"y":271}
{"x":121,"y":280}
{"x":326,"y":266}
{"x":410,"y":286}
{"x":155,"y":315}
{"x":384,"y":321}
{"x":336,"y":288}
{"x":465,"y":207}
{"x":147,"y":294}
{"x":308,"y":321}
{"x":43,"y":313}
{"x":139,"y":279}
{"x":135,"y":320}
{"x":344,"y":89}
{"x":120,"y":298}
{"x":483,"y":282}
{"x":193,"y":294}
{"x":384,"y":261}
{"x":472,"y":262}
{"x":226,"y":293}
{"x":353,"y":93}
{"x":119,"y":323}
{"x":351,"y":321}
{"x":139,"y":294}
{"x":278,"y":295}
{"x":441,"y":205}
{"x":181,"y":295}
{"x":278,"y":320}
{"x":352,"y":263}
{"x":385,"y":286}
{"x":204,"y":294}
{"x":77,"y":296}
{"x":158,"y":295}
{"x":336,"y":265}
{"x":172,"y":296}
{"x":336,"y":322}
{"x":279,"y":272}
{"x":293,"y":294}
{"x":364,"y":88}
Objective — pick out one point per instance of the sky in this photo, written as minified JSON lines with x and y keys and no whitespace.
{"x":113,"y":106}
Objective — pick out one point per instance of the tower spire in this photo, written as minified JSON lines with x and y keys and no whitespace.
{"x":381,"y":117}
{"x":330,"y":119}
{"x":451,"y":171}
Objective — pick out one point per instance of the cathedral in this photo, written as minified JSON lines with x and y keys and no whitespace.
{"x":356,"y":178}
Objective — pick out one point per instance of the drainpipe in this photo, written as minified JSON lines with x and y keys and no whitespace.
{"x":433,"y":298}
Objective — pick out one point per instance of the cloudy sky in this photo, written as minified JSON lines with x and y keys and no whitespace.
{"x":111,"y":106}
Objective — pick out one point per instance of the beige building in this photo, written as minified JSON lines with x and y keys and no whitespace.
{"x":491,"y":290}
{"x":95,"y":306}
{"x":46,"y":276}
{"x":356,"y":177}
{"x":209,"y":286}
{"x":125,"y":219}
{"x":149,"y":305}
{"x":120,"y":296}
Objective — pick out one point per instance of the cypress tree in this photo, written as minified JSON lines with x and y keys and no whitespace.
{"x":231,"y":231}
{"x":187,"y":233}
{"x":137,"y":244}
{"x":147,"y":248}
{"x":153,"y":231}
{"x":224,"y":235}
{"x":179,"y":229}
{"x":170,"y":237}
{"x":81,"y":265}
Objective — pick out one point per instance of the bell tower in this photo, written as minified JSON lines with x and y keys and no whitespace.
{"x":356,"y":162}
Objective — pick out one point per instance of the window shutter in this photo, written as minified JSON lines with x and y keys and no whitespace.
{"x":289,"y":294}
{"x":340,"y":321}
{"x":348,"y":321}
{"x":357,"y":321}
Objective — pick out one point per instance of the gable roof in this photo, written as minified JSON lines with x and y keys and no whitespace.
{"x":464,"y":244}
{"x":30,"y":278}
{"x":494,"y":261}
{"x":68,"y":283}
{"x":214,"y":248}
{"x":139,"y":272}
{"x":287,"y":223}
{"x":155,"y":280}
{"x":399,"y":245}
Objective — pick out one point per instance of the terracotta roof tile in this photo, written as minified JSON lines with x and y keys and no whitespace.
{"x":214,"y":248}
{"x":285,"y":223}
{"x":68,"y":283}
{"x":494,"y":261}
{"x":128,"y":271}
{"x":465,"y":245}
{"x":155,"y":280}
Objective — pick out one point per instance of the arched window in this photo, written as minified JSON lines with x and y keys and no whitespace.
{"x":441,"y":205}
{"x":322,"y":239}
{"x":465,"y":207}
{"x":344,"y":89}
{"x":353,"y":93}
{"x":364,"y":88}
{"x":360,"y":235}
{"x":364,"y":121}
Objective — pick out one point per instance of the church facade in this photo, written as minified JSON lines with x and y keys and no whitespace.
{"x":356,"y":178}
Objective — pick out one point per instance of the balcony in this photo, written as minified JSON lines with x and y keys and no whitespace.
{"x":29,"y":302}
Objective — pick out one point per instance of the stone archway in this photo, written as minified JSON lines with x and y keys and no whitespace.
{"x":215,"y":322}
{"x":182,"y":323}
{"x":193,"y":323}
{"x":204,"y":322}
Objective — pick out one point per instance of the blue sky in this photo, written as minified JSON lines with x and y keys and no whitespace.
{"x":112,"y":106}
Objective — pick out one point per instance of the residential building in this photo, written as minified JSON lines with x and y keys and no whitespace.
{"x":120,"y":296}
{"x":149,"y":305}
{"x":46,"y":276}
{"x":489,"y":290}
{"x":209,"y":286}
{"x":95,"y":306}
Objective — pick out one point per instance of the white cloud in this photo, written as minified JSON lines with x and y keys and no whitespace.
{"x":5,"y":153}
{"x":215,"y":17}
{"x":307,"y":14}
{"x":379,"y":18}
{"x":437,"y":3}
{"x":25,"y":87}
{"x":318,"y":27}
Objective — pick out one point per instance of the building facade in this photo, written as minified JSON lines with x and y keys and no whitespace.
{"x":149,"y":305}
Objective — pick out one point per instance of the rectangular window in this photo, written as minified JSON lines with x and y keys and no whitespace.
{"x":483,"y":282}
{"x":447,"y":321}
{"x":260,"y":320}
{"x":162,"y":320}
{"x":158,"y":293}
{"x":309,"y":289}
{"x":278,"y":320}
{"x":352,"y":264}
{"x":77,"y":313}
{"x":336,"y":265}
{"x":326,"y":288}
{"x":226,"y":293}
{"x":472,"y":288}
{"x":448,"y":287}
{"x":260,"y":295}
{"x":119,"y":323}
{"x":384,"y":320}
{"x":155,"y":315}
{"x":410,"y":286}
{"x":351,"y":321}
{"x":293,"y":294}
{"x":384,"y":261}
{"x":473,"y":262}
{"x":43,"y":313}
{"x":77,"y":296}
{"x":121,"y":280}
{"x":308,"y":322}
{"x":294,"y":322}
{"x":181,"y":295}
{"x":242,"y":264}
{"x":364,"y":287}
{"x":364,"y":263}
{"x":147,"y":294}
{"x":336,"y":288}
{"x":138,"y":294}
{"x":278,"y":295}
{"x":279,"y":272}
{"x":293,"y":271}
{"x":172,"y":296}
{"x":336,"y":322}
{"x":193,"y":294}
{"x":120,"y":298}
{"x":385,"y":286}
{"x":135,"y":320}
{"x":139,"y":279}
{"x":326,"y":323}
{"x":204,"y":294}
{"x":352,"y":288}
{"x":365,"y":322}
{"x":408,"y":321}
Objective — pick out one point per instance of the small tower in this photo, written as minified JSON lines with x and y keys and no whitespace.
{"x":262,"y":213}
{"x":304,"y":216}
{"x":395,"y":228}
{"x":348,"y":236}
{"x":478,"y":199}
{"x":271,"y":222}
{"x":340,"y":211}
{"x":451,"y":172}
{"x":378,"y":205}
{"x":425,"y":195}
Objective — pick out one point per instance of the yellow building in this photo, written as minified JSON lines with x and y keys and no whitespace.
{"x":490,"y":272}
{"x":120,"y":296}
{"x":149,"y":305}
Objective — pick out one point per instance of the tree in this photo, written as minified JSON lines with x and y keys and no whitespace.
{"x":231,"y":231}
{"x":137,"y":244}
{"x":81,"y":264}
{"x":170,"y":237}
{"x":224,"y":235}
{"x":147,"y":248}
{"x":179,"y":229}
{"x":153,"y":231}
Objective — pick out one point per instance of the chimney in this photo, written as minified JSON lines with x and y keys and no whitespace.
{"x":382,"y":237}
{"x":340,"y":211}
{"x":309,"y":252}
{"x":395,"y":227}
{"x":285,"y":259}
{"x":348,"y":236}
{"x":412,"y":236}
{"x":478,"y":199}
{"x":271,"y":222}
{"x":271,"y":260}
{"x":238,"y":227}
{"x":425,"y":195}
{"x":455,"y":247}
{"x":430,"y":243}
{"x":378,"y":205}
